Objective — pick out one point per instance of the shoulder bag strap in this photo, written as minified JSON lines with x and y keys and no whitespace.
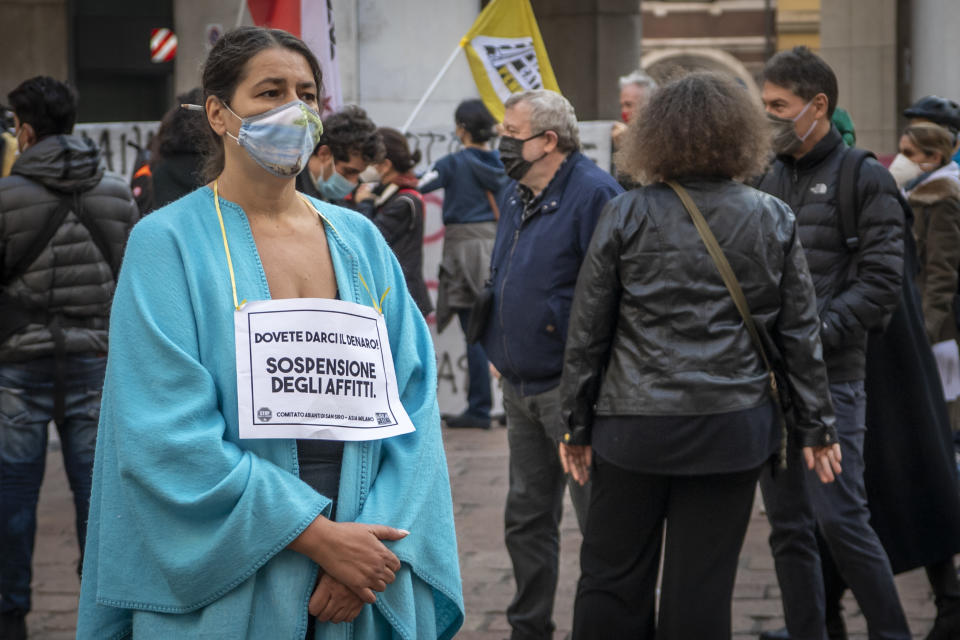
{"x":723,"y":266}
{"x":411,"y":197}
{"x":847,"y":200}
{"x":40,"y":241}
{"x":736,"y":292}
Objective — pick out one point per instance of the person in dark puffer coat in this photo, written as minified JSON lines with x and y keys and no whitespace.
{"x":858,"y":287}
{"x":52,"y":362}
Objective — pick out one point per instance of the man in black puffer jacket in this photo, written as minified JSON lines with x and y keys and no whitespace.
{"x":63,"y":225}
{"x":858,"y":288}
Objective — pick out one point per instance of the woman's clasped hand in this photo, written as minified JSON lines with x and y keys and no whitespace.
{"x":351,"y":555}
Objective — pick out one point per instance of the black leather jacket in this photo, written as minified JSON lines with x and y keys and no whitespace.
{"x":856,"y":292}
{"x":653,"y":330}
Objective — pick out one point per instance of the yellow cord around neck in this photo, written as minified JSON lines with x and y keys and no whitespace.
{"x":226,"y":248}
{"x":378,"y":307}
{"x":233,"y":281}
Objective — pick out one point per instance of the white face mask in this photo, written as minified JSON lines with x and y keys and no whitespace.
{"x":904,"y":170}
{"x":370,"y":174}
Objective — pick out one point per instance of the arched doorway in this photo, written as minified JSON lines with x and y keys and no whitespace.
{"x":663,"y":64}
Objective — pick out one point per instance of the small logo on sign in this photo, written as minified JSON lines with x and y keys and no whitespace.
{"x":264,"y":414}
{"x":383,"y":418}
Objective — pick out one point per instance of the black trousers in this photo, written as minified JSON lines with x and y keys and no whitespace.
{"x":706,"y":519}
{"x":942,"y":576}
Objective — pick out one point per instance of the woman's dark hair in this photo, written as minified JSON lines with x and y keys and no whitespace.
{"x":181,"y":130}
{"x":398,"y":151}
{"x":476,"y":120}
{"x":702,"y":124}
{"x":226,"y":67}
{"x":46,"y":104}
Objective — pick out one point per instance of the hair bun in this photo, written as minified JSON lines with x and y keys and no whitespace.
{"x":416,"y":156}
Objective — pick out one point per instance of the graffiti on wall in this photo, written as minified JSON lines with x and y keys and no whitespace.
{"x":119,"y":142}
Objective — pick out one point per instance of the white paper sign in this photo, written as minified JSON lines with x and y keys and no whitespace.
{"x":948,"y":362}
{"x":316,"y":368}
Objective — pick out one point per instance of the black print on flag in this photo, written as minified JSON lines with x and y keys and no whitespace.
{"x":511,"y":63}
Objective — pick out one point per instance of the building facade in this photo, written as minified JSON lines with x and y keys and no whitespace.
{"x":734,"y":36}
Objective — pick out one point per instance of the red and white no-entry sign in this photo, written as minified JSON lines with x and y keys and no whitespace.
{"x":163,"y":45}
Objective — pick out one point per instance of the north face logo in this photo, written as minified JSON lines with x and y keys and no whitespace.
{"x":818,"y":189}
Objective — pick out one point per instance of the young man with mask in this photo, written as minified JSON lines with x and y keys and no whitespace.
{"x":547,"y":216}
{"x":349,"y":144}
{"x":64,"y":222}
{"x":857,"y":281}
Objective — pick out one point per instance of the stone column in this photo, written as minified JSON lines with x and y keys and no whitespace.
{"x":935,"y":49}
{"x":591,"y":44}
{"x":35,"y":41}
{"x":345,"y":25}
{"x":859,"y":40}
{"x":191,"y":20}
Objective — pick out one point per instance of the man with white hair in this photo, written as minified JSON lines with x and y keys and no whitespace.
{"x":547,"y":218}
{"x":635,"y":89}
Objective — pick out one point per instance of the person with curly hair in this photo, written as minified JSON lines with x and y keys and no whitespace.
{"x":176,"y":163}
{"x":667,"y":402}
{"x":349,"y":144}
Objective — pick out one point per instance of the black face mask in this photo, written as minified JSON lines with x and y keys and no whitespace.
{"x":511,"y":155}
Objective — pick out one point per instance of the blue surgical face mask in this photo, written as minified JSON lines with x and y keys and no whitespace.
{"x":280,"y":140}
{"x":336,"y":187}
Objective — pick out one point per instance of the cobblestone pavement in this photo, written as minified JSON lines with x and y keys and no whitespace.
{"x":478,"y":470}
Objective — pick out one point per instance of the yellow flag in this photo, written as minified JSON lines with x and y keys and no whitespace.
{"x":506,"y":53}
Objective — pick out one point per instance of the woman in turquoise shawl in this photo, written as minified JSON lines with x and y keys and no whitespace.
{"x":196,"y":533}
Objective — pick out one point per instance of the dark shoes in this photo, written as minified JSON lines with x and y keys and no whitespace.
{"x":946,"y":626}
{"x":836,"y":628}
{"x":466,"y":421}
{"x":13,"y":626}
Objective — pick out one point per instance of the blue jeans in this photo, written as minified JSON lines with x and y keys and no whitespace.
{"x":479,"y":397}
{"x":797,"y":503}
{"x":26,"y":408}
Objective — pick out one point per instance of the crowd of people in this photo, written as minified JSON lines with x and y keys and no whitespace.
{"x":748,"y":300}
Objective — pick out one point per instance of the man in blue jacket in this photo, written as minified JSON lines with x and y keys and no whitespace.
{"x":547,"y":218}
